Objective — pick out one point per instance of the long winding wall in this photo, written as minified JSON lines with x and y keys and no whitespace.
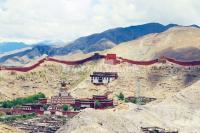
{"x":151,"y":62}
{"x":189,"y":63}
{"x":78,"y":62}
{"x":97,"y":57}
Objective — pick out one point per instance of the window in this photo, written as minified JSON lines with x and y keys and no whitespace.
{"x":100,"y":80}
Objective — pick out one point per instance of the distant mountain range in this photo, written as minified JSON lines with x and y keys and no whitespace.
{"x":11,"y":46}
{"x":91,"y":43}
{"x":116,"y":36}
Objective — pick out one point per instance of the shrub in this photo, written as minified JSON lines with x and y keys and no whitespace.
{"x":76,"y":108}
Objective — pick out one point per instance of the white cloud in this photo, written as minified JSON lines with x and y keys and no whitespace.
{"x":37,"y":20}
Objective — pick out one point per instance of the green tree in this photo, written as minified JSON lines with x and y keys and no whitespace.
{"x":65,"y":107}
{"x":126,"y":100}
{"x":45,"y":107}
{"x":97,"y":104}
{"x":76,"y":108}
{"x":20,"y":101}
{"x":120,"y":96}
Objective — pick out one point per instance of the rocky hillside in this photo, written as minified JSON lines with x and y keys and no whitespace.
{"x":176,"y":88}
{"x":182,"y":43}
{"x":46,"y":79}
{"x":158,"y":83}
{"x":178,"y":112}
{"x":8,"y":129}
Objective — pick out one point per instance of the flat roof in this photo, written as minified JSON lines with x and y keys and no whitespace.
{"x":107,"y":74}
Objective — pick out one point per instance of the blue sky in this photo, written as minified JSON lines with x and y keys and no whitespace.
{"x":65,"y":20}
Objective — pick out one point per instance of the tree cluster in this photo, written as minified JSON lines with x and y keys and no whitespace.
{"x":21,"y":101}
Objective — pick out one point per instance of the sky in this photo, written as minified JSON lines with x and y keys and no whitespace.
{"x":33,"y":21}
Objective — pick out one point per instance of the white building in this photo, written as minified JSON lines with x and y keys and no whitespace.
{"x":103,"y":77}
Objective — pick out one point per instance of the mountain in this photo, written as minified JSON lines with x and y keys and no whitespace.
{"x":101,"y":45}
{"x":181,"y":43}
{"x":117,"y":36}
{"x":95,"y":42}
{"x":32,"y":53}
{"x":11,"y":46}
{"x":177,"y":106}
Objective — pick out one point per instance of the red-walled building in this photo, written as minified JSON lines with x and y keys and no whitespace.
{"x":111,"y":59}
{"x":33,"y":108}
{"x":69,"y":113}
{"x":103,"y":102}
{"x":43,"y":101}
{"x":100,"y":97}
{"x":63,"y":98}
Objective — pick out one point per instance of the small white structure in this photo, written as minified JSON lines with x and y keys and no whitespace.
{"x":59,"y":113}
{"x":103,"y":77}
{"x":47,"y":113}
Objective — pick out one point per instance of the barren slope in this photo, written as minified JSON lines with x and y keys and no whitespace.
{"x":182,"y":43}
{"x":153,"y":83}
{"x":179,"y":42}
{"x":178,"y":112}
{"x":8,"y":129}
{"x":46,"y":78}
{"x":177,"y":88}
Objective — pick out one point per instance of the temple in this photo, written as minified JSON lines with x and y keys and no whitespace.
{"x":98,"y":101}
{"x":54,"y":106}
{"x":63,"y":96}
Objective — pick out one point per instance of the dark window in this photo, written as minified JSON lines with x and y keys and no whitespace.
{"x":100,"y":80}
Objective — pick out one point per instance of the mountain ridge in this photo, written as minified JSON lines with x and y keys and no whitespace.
{"x":90,"y":43}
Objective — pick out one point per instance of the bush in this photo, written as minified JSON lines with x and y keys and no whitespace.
{"x":126,"y":100}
